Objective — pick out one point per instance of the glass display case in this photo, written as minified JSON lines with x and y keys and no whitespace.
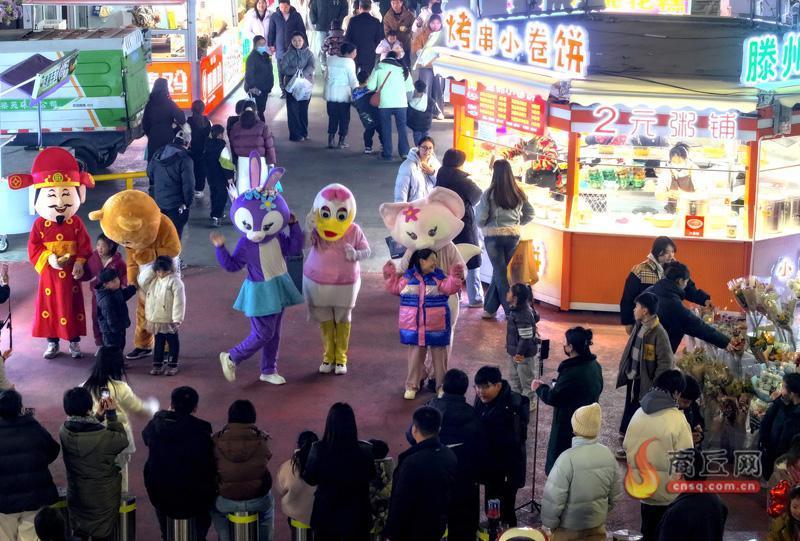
{"x":539,"y":164}
{"x":778,"y":212}
{"x":661,"y":186}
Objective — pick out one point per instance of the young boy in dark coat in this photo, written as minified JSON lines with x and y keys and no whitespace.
{"x":201,"y":128}
{"x":112,"y":308}
{"x":366,"y":112}
{"x":220,"y":171}
{"x":504,"y":417}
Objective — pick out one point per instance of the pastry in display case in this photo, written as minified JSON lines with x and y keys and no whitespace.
{"x":659,"y":186}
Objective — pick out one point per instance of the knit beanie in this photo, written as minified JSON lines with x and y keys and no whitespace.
{"x":586,"y":421}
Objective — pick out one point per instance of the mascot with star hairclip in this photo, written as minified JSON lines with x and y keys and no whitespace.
{"x":332,"y":274}
{"x":58,"y":247}
{"x":261,"y":214}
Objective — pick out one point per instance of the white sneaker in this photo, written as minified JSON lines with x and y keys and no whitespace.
{"x":228,"y":368}
{"x":325,"y":368}
{"x":52,"y":350}
{"x":75,"y":350}
{"x":341,"y":369}
{"x":274,"y":379}
{"x":410,"y":394}
{"x":368,"y":150}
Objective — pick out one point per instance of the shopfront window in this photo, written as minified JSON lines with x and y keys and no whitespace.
{"x":778,"y":208}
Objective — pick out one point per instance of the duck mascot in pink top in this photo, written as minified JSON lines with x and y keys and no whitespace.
{"x":331,"y":273}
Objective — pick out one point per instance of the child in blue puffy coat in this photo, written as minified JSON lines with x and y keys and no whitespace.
{"x":424,"y":313}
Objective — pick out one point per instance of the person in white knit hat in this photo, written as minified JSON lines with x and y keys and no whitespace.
{"x":583,"y":484}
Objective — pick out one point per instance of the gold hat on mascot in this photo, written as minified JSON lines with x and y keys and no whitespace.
{"x":335,"y":209}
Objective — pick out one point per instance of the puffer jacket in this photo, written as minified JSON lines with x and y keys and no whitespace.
{"x":781,"y":529}
{"x":94,"y":481}
{"x":258,"y":137}
{"x":340,"y":79}
{"x":492,"y":217}
{"x":112,"y":310}
{"x":658,"y":418}
{"x":411,"y":182}
{"x":582,"y":487}
{"x":26,"y":450}
{"x":394,"y":94}
{"x":242,"y":452}
{"x":424,"y":313}
{"x":521,"y":331}
{"x":655,"y":357}
{"x":297,"y":59}
{"x":172,"y":172}
{"x":165,"y":299}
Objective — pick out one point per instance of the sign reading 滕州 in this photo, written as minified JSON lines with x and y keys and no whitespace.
{"x":769,"y":58}
{"x":563,"y":49}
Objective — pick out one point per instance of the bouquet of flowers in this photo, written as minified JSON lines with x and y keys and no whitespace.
{"x":10,"y":11}
{"x":780,"y":311}
{"x":753,"y":296}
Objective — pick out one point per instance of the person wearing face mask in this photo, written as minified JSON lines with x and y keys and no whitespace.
{"x":579,"y":383}
{"x":678,"y":320}
{"x":647,"y":273}
{"x":258,"y":78}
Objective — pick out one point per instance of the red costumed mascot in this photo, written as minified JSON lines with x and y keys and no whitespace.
{"x":58,"y":247}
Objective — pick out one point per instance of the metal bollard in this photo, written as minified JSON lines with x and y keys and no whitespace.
{"x":627,"y":535}
{"x":126,"y":522}
{"x":181,"y":529}
{"x":243,"y":526}
{"x":63,"y":510}
{"x":300,"y":531}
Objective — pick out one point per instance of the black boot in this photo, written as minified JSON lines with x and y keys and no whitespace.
{"x":343,"y":141}
{"x":330,"y":140}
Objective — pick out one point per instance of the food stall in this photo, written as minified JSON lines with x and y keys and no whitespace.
{"x":616,"y":142}
{"x":197,"y":45}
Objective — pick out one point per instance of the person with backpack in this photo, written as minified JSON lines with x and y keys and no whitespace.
{"x":419,"y":116}
{"x":367,"y":113}
{"x":220,"y":171}
{"x":504,"y":417}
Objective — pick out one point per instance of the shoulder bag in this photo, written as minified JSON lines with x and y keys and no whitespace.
{"x":375,"y":99}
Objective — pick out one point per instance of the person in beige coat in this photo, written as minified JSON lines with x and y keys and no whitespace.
{"x":297,"y":496}
{"x":164,"y":310}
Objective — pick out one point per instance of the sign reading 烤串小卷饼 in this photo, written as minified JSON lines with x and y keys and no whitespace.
{"x":563,"y":49}
{"x":770,"y":58}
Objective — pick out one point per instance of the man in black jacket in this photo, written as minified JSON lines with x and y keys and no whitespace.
{"x":365,"y":32}
{"x":180,"y":473}
{"x":504,"y":417}
{"x":282,"y":26}
{"x":26,"y":450}
{"x":673,"y":315}
{"x":172,"y":172}
{"x":462,"y":432}
{"x":321,"y":14}
{"x":422,"y":483}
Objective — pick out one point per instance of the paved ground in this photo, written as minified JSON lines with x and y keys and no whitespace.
{"x":374,"y":385}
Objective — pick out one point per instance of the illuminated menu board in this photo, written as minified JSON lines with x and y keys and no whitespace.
{"x":517,"y":112}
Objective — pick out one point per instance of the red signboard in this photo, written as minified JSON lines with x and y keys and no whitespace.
{"x":211,"y":79}
{"x":694,"y":226}
{"x":523,"y":113}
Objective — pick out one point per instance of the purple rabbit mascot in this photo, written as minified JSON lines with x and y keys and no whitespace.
{"x":261,"y":214}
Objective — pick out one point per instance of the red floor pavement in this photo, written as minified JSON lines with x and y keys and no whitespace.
{"x":373,"y":386}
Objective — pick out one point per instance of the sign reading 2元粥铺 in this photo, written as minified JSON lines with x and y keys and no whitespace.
{"x":563,"y":48}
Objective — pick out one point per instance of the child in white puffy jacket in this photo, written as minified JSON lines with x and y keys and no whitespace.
{"x":164,"y":310}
